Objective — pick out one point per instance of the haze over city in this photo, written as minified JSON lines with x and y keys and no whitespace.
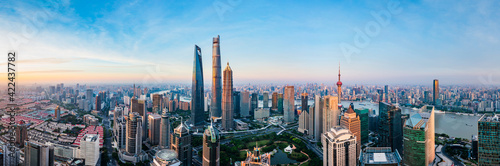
{"x":265,"y":42}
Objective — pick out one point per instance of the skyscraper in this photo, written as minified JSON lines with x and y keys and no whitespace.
{"x":133,"y":144}
{"x":304,"y":115}
{"x":331,"y":113}
{"x":274,"y":103}
{"x":280,"y":102}
{"x":165,"y":130}
{"x":57,"y":114}
{"x":227,"y":99}
{"x":197,"y":114}
{"x":265,"y":99}
{"x":489,"y":139}
{"x":339,"y":88}
{"x":254,"y":103}
{"x":154,"y":128}
{"x":318,"y":117}
{"x":435,"y":91}
{"x":289,"y":104}
{"x":21,"y":133}
{"x":352,"y":123}
{"x":386,"y":157}
{"x":38,"y":154}
{"x":89,"y":148}
{"x":339,"y":147}
{"x":418,"y":135}
{"x":157,"y":103}
{"x":386,"y":94}
{"x":364,"y":119}
{"x":211,"y":147}
{"x":236,"y":103}
{"x":180,"y":141}
{"x":390,"y":128}
{"x":245,"y":104}
{"x":98,"y":103}
{"x":216,"y":79}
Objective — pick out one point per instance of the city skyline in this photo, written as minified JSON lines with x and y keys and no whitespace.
{"x":112,"y":42}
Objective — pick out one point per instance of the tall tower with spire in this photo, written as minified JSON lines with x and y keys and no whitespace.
{"x":216,"y":79}
{"x":339,"y":87}
{"x":227,"y":99}
{"x":197,"y":98}
{"x":211,"y":146}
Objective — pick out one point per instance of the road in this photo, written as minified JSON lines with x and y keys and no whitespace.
{"x":309,"y":145}
{"x":106,"y":123}
{"x":455,"y":162}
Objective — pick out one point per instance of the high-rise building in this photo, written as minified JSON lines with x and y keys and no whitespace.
{"x":254,"y":103}
{"x":339,"y":88}
{"x":245,"y":104}
{"x":89,"y":149}
{"x":166,"y":157}
{"x":38,"y":154}
{"x":489,"y":139}
{"x":289,"y":104}
{"x":180,"y":142}
{"x":304,"y":102}
{"x":211,"y":147}
{"x":386,"y":94}
{"x":21,"y":133}
{"x":318,"y":117}
{"x":339,"y":147}
{"x":351,"y":122}
{"x":377,"y":156}
{"x":134,"y":134}
{"x":216,"y":79}
{"x":280,"y":102}
{"x":227,"y":99}
{"x":475,"y":144}
{"x":98,"y":103}
{"x":390,"y":128}
{"x":9,"y":155}
{"x":165,"y":130}
{"x":157,"y":103}
{"x":236,"y":103}
{"x":265,"y":99}
{"x":331,"y":113}
{"x":304,"y":115}
{"x":89,"y":96}
{"x":364,"y":119}
{"x":119,"y":128}
{"x":154,"y":128}
{"x":57,"y":114}
{"x":418,"y":135}
{"x":274,"y":103}
{"x":197,"y":113}
{"x":435,"y":95}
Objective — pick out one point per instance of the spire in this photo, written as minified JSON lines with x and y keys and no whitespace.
{"x":339,"y":71}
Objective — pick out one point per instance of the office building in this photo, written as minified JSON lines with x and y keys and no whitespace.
{"x":227,"y":99}
{"x":21,"y":133}
{"x":38,"y":154}
{"x":165,"y":130}
{"x":236,"y":103}
{"x":9,"y":156}
{"x":216,"y":79}
{"x":435,"y":91}
{"x":89,"y":149}
{"x":380,"y":156}
{"x":133,"y":142}
{"x":418,"y":135}
{"x":166,"y":157}
{"x":280,"y":103}
{"x":98,"y":103}
{"x":57,"y":114}
{"x":475,"y":144}
{"x":197,"y":113}
{"x":489,"y":140}
{"x":180,"y":142}
{"x":265,"y":99}
{"x":261,"y":114}
{"x":318,"y":117}
{"x":154,"y":129}
{"x":245,"y":104}
{"x":254,"y":103}
{"x":364,"y":120}
{"x":331,"y":112}
{"x":339,"y":147}
{"x":211,"y":147}
{"x":157,"y":103}
{"x":351,"y":122}
{"x":289,"y":104}
{"x":274,"y":102}
{"x":390,"y":127}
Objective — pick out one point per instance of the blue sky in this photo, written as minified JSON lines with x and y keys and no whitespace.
{"x":264,"y":41}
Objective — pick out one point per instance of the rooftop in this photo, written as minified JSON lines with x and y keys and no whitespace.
{"x":379,"y":155}
{"x":490,"y":118}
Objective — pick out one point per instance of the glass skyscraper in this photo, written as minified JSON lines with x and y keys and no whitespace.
{"x":390,"y":128}
{"x":197,"y":101}
{"x":489,"y":140}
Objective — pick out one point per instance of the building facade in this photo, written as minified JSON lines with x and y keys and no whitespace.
{"x":390,"y":127}
{"x":197,"y":102}
{"x":489,"y":140}
{"x":227,"y":100}
{"x":154,"y":128}
{"x":351,"y":122}
{"x":211,"y":147}
{"x":289,"y":104}
{"x":419,"y":143}
{"x":339,"y":147}
{"x":180,"y":142}
{"x":216,"y":79}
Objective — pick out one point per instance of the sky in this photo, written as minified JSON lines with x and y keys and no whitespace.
{"x":375,"y":42}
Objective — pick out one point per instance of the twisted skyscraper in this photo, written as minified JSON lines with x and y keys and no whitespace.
{"x":215,"y":107}
{"x":197,"y":101}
